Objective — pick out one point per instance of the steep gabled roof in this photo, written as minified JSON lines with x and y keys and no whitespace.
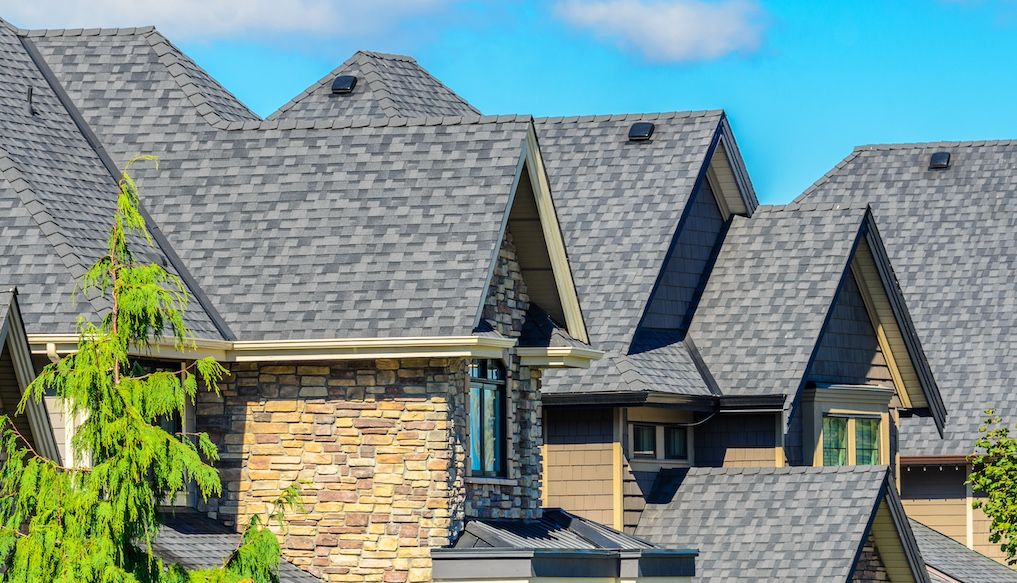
{"x":952,"y":238}
{"x":58,"y":198}
{"x":951,"y":562}
{"x":387,"y":85}
{"x":775,"y":524}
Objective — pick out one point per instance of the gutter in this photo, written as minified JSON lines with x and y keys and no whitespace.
{"x":54,"y":345}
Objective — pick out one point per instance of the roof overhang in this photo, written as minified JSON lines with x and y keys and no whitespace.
{"x":54,"y":345}
{"x":558,"y":356}
{"x":593,"y":564}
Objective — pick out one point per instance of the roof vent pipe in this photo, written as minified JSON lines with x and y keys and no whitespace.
{"x":343,"y":84}
{"x":30,"y":104}
{"x":640,"y":131}
{"x":939,"y":161}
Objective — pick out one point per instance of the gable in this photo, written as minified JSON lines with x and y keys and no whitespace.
{"x":10,"y":396}
{"x":685,"y":268}
{"x":848,"y":351}
{"x":886,"y":537}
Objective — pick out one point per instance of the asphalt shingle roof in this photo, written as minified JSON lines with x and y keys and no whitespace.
{"x":57,"y":199}
{"x":387,"y":85}
{"x":765,"y":524}
{"x":768,"y":295}
{"x":194,"y":541}
{"x":952,"y":238}
{"x":956,"y":561}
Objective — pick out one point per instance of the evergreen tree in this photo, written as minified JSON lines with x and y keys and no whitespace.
{"x":96,"y":522}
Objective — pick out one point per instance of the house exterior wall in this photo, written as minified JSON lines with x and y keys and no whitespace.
{"x":682,"y":273}
{"x":580,"y":462}
{"x":10,"y":394}
{"x":738,"y":441}
{"x":380,"y":447}
{"x":869,"y":567}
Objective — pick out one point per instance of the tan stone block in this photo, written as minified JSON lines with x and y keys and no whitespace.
{"x":283,"y":406}
{"x":314,"y":370}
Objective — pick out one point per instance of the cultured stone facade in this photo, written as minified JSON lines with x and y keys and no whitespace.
{"x":870,"y":568}
{"x":379,"y":448}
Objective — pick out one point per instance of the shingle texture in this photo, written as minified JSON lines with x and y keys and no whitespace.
{"x":619,"y":204}
{"x":951,"y":236}
{"x":765,"y":524}
{"x":768,"y":295}
{"x":555,"y":529}
{"x":193,"y":541}
{"x":300,"y":228}
{"x":56,"y":199}
{"x":387,"y":85}
{"x":956,"y":561}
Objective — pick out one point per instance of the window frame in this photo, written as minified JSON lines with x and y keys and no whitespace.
{"x":487,"y":386}
{"x":659,"y":443}
{"x":851,"y":402}
{"x":851,"y":439}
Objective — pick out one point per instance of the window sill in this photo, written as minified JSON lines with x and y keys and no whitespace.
{"x":491,"y":481}
{"x":644,"y":464}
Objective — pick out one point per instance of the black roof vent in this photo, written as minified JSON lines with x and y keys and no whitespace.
{"x":640,"y":131}
{"x":939,"y":161}
{"x":343,"y":84}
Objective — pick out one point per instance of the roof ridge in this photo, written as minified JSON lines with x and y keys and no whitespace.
{"x":916,"y":145}
{"x":55,"y":32}
{"x":369,"y":121}
{"x":826,"y":177}
{"x":388,"y":56}
{"x":313,"y":86}
{"x":660,"y":115}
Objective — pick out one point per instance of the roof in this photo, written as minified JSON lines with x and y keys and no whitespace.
{"x":952,"y":238}
{"x":766,"y":524}
{"x":555,"y":529}
{"x":57,"y":197}
{"x":949,"y":561}
{"x":387,"y":85}
{"x":194,"y":541}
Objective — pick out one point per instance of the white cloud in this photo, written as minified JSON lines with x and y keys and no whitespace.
{"x":671,"y":30}
{"x":197,"y":19}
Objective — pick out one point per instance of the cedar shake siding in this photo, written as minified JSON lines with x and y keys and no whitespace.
{"x":737,"y":441}
{"x":685,"y":269}
{"x":849,"y":351}
{"x":580,"y":468}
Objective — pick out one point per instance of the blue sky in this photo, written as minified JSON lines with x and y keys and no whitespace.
{"x":802,"y":82}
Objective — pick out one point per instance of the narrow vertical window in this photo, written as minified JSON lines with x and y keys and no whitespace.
{"x":835,"y":440}
{"x":866,"y":442}
{"x":644,"y":441}
{"x":487,"y":418}
{"x":676,"y":443}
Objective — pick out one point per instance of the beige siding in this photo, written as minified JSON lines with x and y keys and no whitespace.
{"x":980,"y":530}
{"x":579,"y":463}
{"x":936,"y":497}
{"x":737,"y":441}
{"x":889,"y":546}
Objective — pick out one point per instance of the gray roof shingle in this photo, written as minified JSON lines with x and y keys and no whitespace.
{"x":194,"y":541}
{"x":956,"y":561}
{"x":766,"y":524}
{"x":57,"y":199}
{"x":768,"y":295}
{"x":952,"y":238}
{"x":555,"y":529}
{"x":387,"y":85}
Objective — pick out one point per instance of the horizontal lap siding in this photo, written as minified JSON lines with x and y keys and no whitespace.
{"x":579,"y":462}
{"x":937,"y":498}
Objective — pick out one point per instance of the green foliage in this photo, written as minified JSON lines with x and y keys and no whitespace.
{"x":95,"y":522}
{"x":994,"y":479}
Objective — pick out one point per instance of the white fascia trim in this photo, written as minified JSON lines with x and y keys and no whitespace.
{"x":317,"y":349}
{"x":558,"y":356}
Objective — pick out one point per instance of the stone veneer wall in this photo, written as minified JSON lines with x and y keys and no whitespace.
{"x":519,"y":495}
{"x":870,"y":568}
{"x":381,"y":446}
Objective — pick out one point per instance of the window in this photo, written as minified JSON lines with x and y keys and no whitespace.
{"x":850,"y":441}
{"x":676,"y":445}
{"x":644,"y":441}
{"x":650,"y":441}
{"x":835,"y":441}
{"x":487,"y":418}
{"x":866,"y":442}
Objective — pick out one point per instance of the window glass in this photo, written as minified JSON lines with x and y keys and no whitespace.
{"x":675,"y":443}
{"x":644,"y":441}
{"x":866,"y":442}
{"x":487,"y":418}
{"x":834,"y":441}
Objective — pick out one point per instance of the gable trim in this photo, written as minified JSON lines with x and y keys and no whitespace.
{"x":12,"y":335}
{"x":888,"y":497}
